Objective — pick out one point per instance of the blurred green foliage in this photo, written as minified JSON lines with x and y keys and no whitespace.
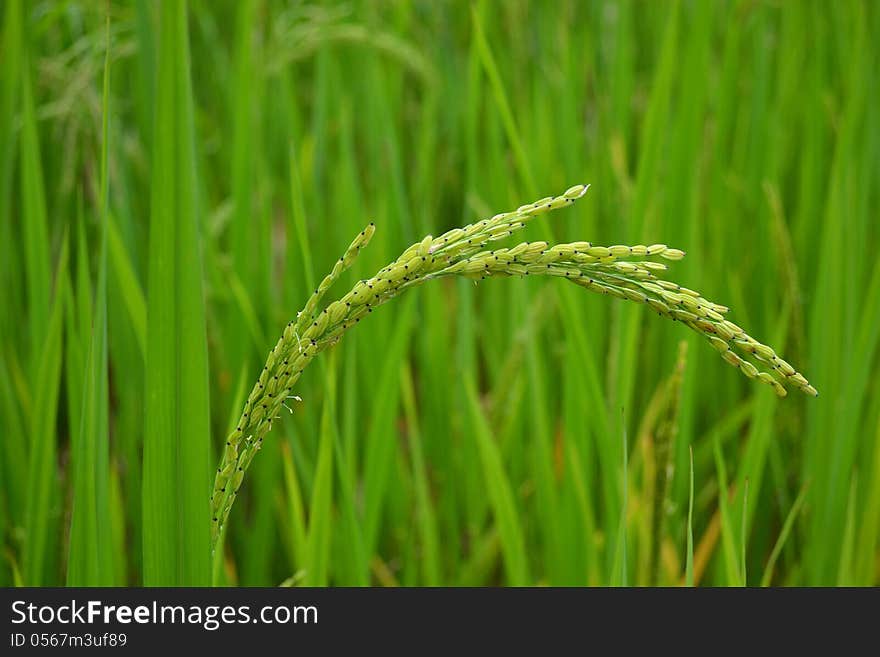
{"x":466,"y":434}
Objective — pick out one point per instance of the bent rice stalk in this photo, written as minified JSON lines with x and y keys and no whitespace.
{"x":626,"y":272}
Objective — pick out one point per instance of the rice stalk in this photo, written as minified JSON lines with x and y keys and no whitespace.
{"x":664,"y":438}
{"x":626,"y":272}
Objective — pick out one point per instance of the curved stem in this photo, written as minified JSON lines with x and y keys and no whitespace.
{"x":621,"y":271}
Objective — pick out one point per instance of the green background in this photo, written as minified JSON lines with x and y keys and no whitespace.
{"x":510,"y":432}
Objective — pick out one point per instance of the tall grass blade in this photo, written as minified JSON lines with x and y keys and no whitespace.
{"x":787,"y":526}
{"x":176,"y":476}
{"x":501,"y":498}
{"x":320,"y":507}
{"x":126,"y":278}
{"x":91,"y":557}
{"x":34,"y":224}
{"x":42,"y":513}
{"x":689,"y":558}
{"x":728,"y":534}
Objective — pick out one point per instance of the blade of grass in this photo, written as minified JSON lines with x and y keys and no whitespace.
{"x":126,"y":278}
{"x":13,"y":453}
{"x":90,"y":556}
{"x":494,"y":76}
{"x":321,"y":505}
{"x":742,"y":534}
{"x":619,"y":569}
{"x":354,"y":552}
{"x":10,"y":86}
{"x":40,"y":512}
{"x":500,"y":494}
{"x":245,"y":261}
{"x":296,"y":510}
{"x":176,"y":476}
{"x":767,"y":577}
{"x":870,"y":528}
{"x":689,"y":563}
{"x":380,"y":439}
{"x":846,"y":560}
{"x":34,"y":225}
{"x":664,"y":439}
{"x":728,"y":536}
{"x":426,"y":518}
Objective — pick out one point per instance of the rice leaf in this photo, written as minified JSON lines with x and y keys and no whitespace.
{"x":41,"y":512}
{"x":176,"y":474}
{"x":504,"y":508}
{"x":91,"y":557}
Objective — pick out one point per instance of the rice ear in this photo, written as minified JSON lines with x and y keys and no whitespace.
{"x":621,"y":271}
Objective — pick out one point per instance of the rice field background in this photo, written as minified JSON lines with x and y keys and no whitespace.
{"x":176,"y":178}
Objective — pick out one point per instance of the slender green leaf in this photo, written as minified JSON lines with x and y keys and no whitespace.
{"x":689,"y":562}
{"x":767,"y":577}
{"x":500,"y":494}
{"x":176,"y":475}
{"x":42,"y":514}
{"x":91,"y":558}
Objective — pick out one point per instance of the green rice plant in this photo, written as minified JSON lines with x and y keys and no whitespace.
{"x":42,"y":482}
{"x":663,"y":444}
{"x":473,"y":432}
{"x":91,"y":555}
{"x":689,"y":548}
{"x":625,"y":272}
{"x":177,"y":434}
{"x":767,"y":577}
